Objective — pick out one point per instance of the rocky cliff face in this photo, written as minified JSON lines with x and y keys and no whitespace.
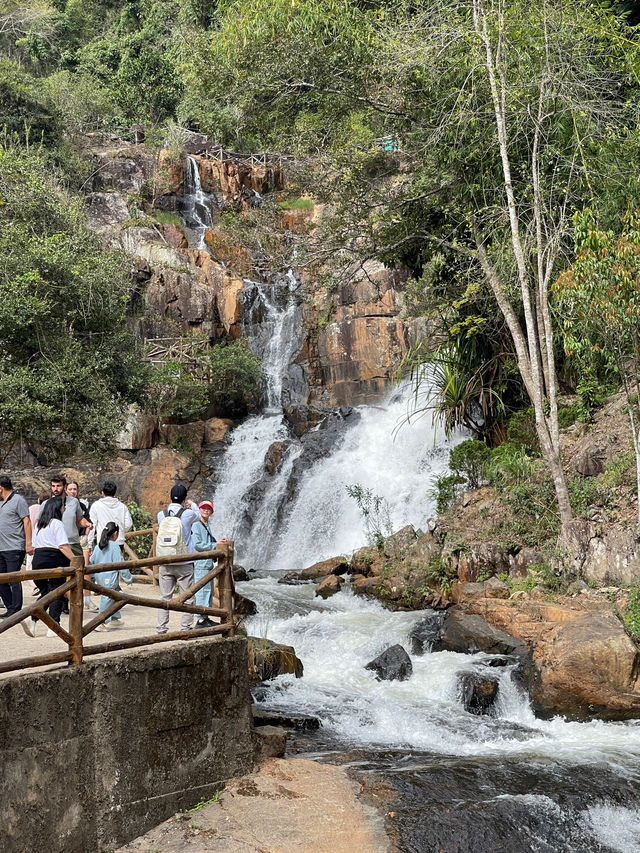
{"x":354,"y":337}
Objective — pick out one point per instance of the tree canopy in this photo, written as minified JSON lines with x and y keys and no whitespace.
{"x":69,"y":363}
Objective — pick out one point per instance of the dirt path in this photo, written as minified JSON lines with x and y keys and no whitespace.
{"x":287,"y":806}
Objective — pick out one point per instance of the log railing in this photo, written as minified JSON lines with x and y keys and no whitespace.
{"x":221,"y":574}
{"x":149,"y":575}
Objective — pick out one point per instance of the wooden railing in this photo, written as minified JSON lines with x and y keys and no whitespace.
{"x":222,"y":574}
{"x":149,"y":575}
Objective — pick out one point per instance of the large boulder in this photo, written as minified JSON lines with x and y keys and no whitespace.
{"x":394,"y":664}
{"x":467,"y":633}
{"x":139,"y":430}
{"x":268,"y":660}
{"x":588,"y":666}
{"x":332,"y":566}
{"x":329,"y":586}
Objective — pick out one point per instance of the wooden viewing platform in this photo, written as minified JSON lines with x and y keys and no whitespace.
{"x":76,"y":583}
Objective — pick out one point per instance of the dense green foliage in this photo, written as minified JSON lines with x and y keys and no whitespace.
{"x":69,"y":365}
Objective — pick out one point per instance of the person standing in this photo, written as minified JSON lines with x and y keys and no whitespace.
{"x":108,"y":551}
{"x":109,"y":508}
{"x":203,"y":540}
{"x":15,"y":542}
{"x":72,"y":518}
{"x":176,"y":573}
{"x":52,"y":551}
{"x":34,"y":512}
{"x":83,"y":532}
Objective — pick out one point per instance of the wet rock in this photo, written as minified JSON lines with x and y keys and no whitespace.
{"x":267,"y":660}
{"x":275,"y":455}
{"x":426,"y":633}
{"x":244,"y":606}
{"x":366,"y":561}
{"x":467,"y":633}
{"x":299,"y":722}
{"x":477,"y":692}
{"x":332,"y":566}
{"x":364,"y":586}
{"x":329,"y":586}
{"x":240,"y":573}
{"x":292,"y":579}
{"x":304,"y":418}
{"x":394,"y":664}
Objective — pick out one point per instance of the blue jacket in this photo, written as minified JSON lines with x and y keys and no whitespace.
{"x":203,"y":540}
{"x":111,"y":554}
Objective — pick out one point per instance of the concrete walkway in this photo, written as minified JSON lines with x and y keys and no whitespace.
{"x":289,"y":805}
{"x":138,"y":622}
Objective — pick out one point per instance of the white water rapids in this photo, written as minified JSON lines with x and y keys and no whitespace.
{"x":336,"y":638}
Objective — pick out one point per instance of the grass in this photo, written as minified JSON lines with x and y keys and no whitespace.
{"x":166,"y":217}
{"x":202,"y":804}
{"x":297,"y":204}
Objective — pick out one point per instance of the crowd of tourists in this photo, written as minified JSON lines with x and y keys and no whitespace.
{"x":61,"y":525}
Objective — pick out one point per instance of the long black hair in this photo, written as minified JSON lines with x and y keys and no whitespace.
{"x":51,"y":509}
{"x":107,"y":532}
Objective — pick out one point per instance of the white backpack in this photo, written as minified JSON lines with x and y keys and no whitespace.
{"x":170,"y":540}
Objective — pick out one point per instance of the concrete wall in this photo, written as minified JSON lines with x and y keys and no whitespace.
{"x":92,"y":756}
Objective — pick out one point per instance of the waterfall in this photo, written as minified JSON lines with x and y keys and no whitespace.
{"x":396,"y":458}
{"x":269,"y":319}
{"x":196,"y":206}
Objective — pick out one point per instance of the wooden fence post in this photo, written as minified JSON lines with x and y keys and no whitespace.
{"x":228,"y":588}
{"x":76,"y":607}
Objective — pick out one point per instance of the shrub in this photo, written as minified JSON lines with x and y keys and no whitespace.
{"x":446,"y":489}
{"x":568,"y":415}
{"x":375,"y":512}
{"x":509,"y":465}
{"x":631,"y":615}
{"x":142,"y":520}
{"x":521,"y":432}
{"x":297,"y":204}
{"x":468,"y":460}
{"x":235,"y":377}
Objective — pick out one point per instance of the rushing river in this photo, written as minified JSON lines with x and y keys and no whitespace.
{"x":454,"y":782}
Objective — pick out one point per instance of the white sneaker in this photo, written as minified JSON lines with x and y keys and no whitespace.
{"x":29,"y":626}
{"x":51,"y":633}
{"x":90,"y":606}
{"x":115,"y":624}
{"x":102,"y":627}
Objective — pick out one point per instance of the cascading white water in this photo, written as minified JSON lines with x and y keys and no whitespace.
{"x":274,"y":338}
{"x":395,"y":458}
{"x":196,"y":210}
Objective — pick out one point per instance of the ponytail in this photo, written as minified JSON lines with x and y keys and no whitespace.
{"x":107,"y":532}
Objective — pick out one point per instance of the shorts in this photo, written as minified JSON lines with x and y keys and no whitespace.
{"x":84,"y":542}
{"x":76,"y":549}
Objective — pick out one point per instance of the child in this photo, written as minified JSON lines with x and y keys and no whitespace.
{"x":107,"y":551}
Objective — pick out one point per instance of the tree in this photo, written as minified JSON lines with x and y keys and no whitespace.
{"x":599,"y":301}
{"x":68,"y":365}
{"x":507,"y":116}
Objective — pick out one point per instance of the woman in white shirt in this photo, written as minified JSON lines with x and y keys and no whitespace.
{"x":52,"y":551}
